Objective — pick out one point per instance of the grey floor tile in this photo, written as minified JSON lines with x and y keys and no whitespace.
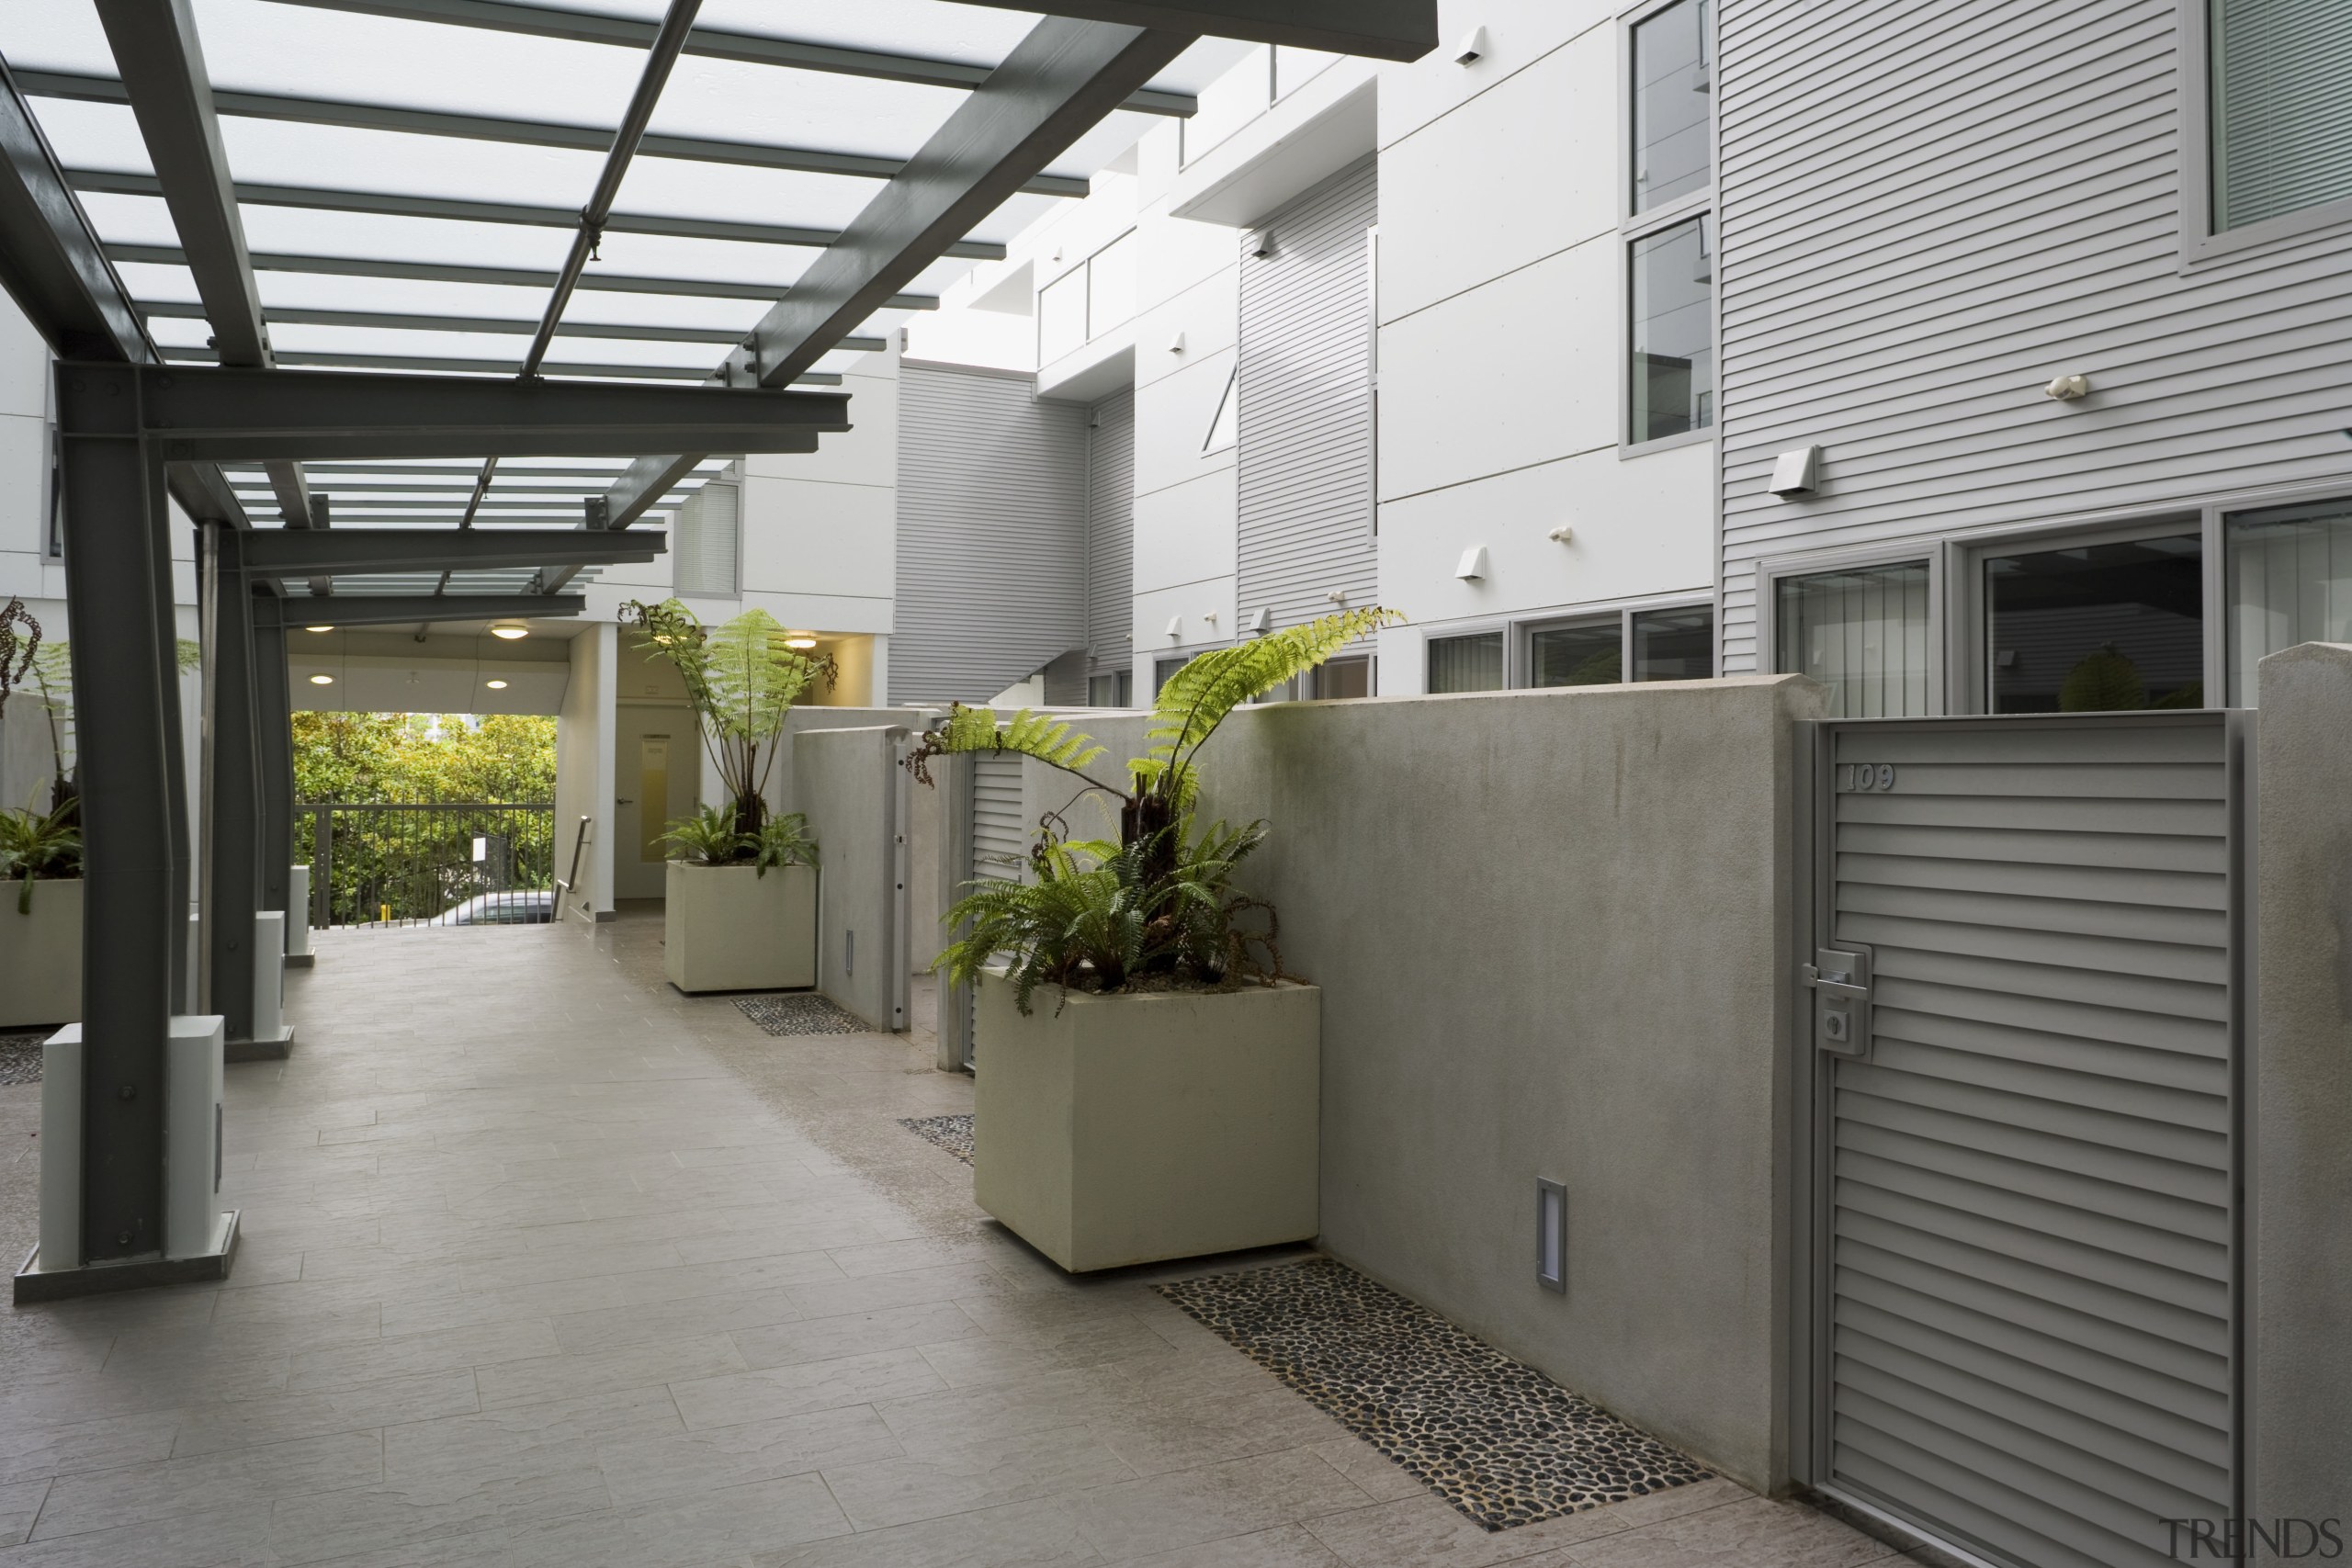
{"x":934,"y":1479}
{"x":29,"y":1450}
{"x":19,"y":1506}
{"x":851,"y":1334}
{"x":1755,"y":1532}
{"x":288,"y":1417}
{"x":626,"y":1365}
{"x":108,"y":1499}
{"x":1190,"y":1507}
{"x":810,"y":1385}
{"x":711,"y":1527}
{"x":643,"y":1470}
{"x":1290,"y":1546}
{"x":481,"y":1344}
{"x":1019,"y":1534}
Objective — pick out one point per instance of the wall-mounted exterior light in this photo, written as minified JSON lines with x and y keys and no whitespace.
{"x":1563,"y":536}
{"x":1551,"y":1236}
{"x":2067,"y":389}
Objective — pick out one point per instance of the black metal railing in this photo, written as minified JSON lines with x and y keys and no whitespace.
{"x":447,"y":862}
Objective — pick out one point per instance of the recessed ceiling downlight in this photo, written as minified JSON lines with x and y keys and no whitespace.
{"x":800,"y":642}
{"x":321,"y":680}
{"x":510,"y":630}
{"x":318,"y":628}
{"x":495,"y":685}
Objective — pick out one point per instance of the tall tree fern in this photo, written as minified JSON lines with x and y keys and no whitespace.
{"x":743,"y":680}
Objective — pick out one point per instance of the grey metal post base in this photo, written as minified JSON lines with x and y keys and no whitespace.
{"x":32,"y":1285}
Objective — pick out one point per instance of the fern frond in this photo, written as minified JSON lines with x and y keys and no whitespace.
{"x":1028,"y":734}
{"x":1197,"y":698}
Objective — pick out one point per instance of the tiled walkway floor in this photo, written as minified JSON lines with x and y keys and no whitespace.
{"x":546,"y":1264}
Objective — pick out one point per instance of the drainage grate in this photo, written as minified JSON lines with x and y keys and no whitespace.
{"x":953,"y":1133}
{"x":803,"y":1012}
{"x":1495,"y":1438}
{"x":20,"y":1058}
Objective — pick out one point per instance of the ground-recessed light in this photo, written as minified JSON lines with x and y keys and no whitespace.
{"x":510,"y":630}
{"x":318,"y":628}
{"x":495,"y":685}
{"x":321,"y":680}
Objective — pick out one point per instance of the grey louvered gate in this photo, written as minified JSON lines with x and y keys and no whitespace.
{"x":2026,"y":996}
{"x":999,"y":838}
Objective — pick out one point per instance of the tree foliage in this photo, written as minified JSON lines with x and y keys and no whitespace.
{"x":507,"y":759}
{"x":742,"y":680}
{"x":1159,"y":904}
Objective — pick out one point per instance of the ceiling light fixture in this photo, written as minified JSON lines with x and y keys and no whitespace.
{"x":510,"y":630}
{"x":321,"y":680}
{"x":495,"y":685}
{"x":318,"y":628}
{"x":800,"y":642}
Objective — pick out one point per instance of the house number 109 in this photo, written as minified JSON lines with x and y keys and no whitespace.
{"x":1866,"y":775}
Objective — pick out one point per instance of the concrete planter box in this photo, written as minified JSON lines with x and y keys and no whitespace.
{"x":727,"y":928}
{"x":1129,"y":1129}
{"x":40,"y":954}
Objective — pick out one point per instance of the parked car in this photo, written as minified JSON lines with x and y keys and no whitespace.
{"x":509,"y":907}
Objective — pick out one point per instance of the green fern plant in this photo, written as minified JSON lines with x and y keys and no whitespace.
{"x":710,"y":837}
{"x":743,"y":680}
{"x":50,"y":665}
{"x":38,"y":844}
{"x":1158,"y":903}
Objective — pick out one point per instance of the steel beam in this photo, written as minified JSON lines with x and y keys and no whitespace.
{"x":297,"y":552}
{"x":274,"y":749}
{"x":81,"y":88}
{"x":1381,"y":29}
{"x":406,"y":609}
{"x":453,"y":365}
{"x":530,"y":277}
{"x":1056,"y":85}
{"x":397,"y":321}
{"x":231,"y":832}
{"x":162,"y":61}
{"x":591,"y":27}
{"x":214,"y":413}
{"x":118,"y":574}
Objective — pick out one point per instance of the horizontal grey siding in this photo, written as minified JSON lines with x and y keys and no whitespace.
{"x":1902,"y":269}
{"x":1305,"y":419}
{"x":1111,"y":534}
{"x":991,"y":532}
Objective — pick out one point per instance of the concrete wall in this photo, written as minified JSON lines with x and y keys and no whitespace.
{"x":2301,"y":1160}
{"x":1553,"y":934}
{"x":847,"y":780}
{"x":584,"y":770}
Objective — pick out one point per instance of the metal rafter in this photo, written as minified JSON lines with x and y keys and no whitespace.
{"x":306,"y":551}
{"x":591,"y":27}
{"x":53,"y":265}
{"x":449,"y":365}
{"x":401,"y":321}
{"x":519,"y":276}
{"x":460,"y":210}
{"x":403,"y":609}
{"x":1381,"y":29}
{"x":83,"y":88}
{"x":162,"y":60}
{"x":1061,"y":79}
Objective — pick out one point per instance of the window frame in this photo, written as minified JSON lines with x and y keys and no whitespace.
{"x":1970,"y":649}
{"x":1469,"y":629}
{"x":1082,"y":272}
{"x":1520,"y":653}
{"x":1936,"y":553}
{"x":2200,"y":242}
{"x":1633,"y":227}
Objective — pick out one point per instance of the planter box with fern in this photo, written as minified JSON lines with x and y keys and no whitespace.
{"x":40,"y":953}
{"x":1148,"y":1076}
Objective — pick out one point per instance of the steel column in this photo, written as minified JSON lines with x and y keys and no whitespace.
{"x":118,"y":586}
{"x":273,"y":748}
{"x":231,"y":890}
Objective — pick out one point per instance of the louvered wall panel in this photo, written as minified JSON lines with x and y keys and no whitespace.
{"x":707,"y":540}
{"x":1111,"y":535}
{"x":1902,"y":269}
{"x":999,"y":831}
{"x":991,"y":534}
{"x":1306,"y":454}
{"x":2031,"y":1220}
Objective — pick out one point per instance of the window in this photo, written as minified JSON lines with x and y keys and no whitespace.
{"x":2290,"y":581}
{"x":1088,"y":300}
{"x":1674,"y":645}
{"x":1673,"y":368}
{"x":706,"y":540}
{"x":1592,"y":654}
{"x":1473,"y":663}
{"x":1862,"y":633}
{"x":1225,"y":425}
{"x":2097,"y":627}
{"x":1337,"y":678}
{"x":1163,"y":668}
{"x":1672,"y":95}
{"x":1061,"y":316}
{"x":1116,"y":689}
{"x":2281,"y":118}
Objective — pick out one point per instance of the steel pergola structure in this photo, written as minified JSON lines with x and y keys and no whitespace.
{"x":146,"y":429}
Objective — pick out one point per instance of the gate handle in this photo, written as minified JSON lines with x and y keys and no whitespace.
{"x":1835,"y":987}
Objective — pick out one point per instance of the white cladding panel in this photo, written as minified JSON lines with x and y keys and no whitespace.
{"x":993,"y":513}
{"x":1305,"y":528}
{"x":1903,"y":269}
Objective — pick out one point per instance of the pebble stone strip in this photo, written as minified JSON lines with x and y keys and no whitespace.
{"x":20,"y":1058}
{"x":803,"y":1012}
{"x":953,"y":1133}
{"x":1497,"y":1439}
